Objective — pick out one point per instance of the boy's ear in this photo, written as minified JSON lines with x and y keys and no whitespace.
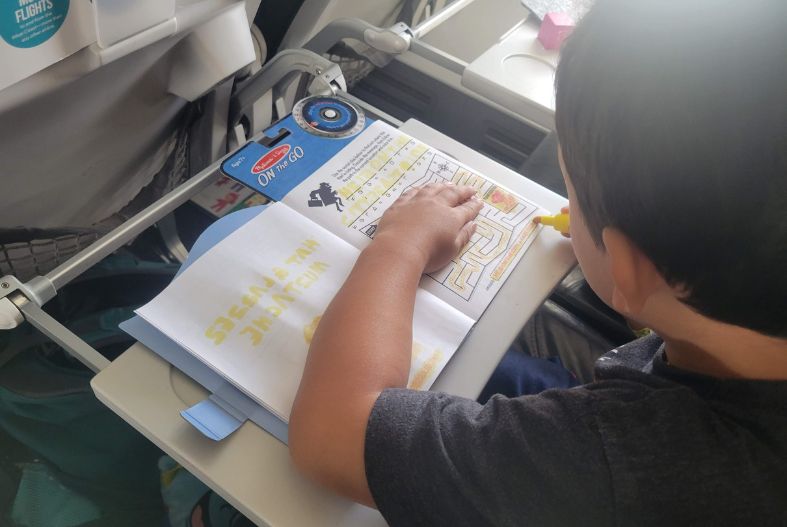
{"x":634,"y":277}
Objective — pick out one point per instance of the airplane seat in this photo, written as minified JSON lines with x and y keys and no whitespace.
{"x":93,"y":137}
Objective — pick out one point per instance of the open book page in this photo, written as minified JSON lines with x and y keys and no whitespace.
{"x":249,"y":306}
{"x":349,"y":194}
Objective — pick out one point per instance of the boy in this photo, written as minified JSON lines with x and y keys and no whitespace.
{"x":671,"y":118}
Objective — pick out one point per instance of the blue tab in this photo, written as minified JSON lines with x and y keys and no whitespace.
{"x":212,"y":420}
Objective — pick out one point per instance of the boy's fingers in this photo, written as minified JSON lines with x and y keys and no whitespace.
{"x":469,"y":209}
{"x":457,"y":194}
{"x":431,"y":189}
{"x":408,"y":194}
{"x":564,"y":210}
{"x":463,"y":238}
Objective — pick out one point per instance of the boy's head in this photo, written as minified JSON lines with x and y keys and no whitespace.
{"x":672,"y":120}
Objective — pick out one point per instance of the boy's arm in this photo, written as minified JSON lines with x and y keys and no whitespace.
{"x":364,"y":341}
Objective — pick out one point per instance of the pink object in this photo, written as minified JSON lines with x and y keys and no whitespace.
{"x":554,"y":30}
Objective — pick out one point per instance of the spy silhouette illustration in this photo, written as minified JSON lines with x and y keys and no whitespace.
{"x":324,"y":196}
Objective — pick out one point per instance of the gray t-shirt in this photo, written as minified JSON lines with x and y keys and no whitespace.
{"x":646,"y":444}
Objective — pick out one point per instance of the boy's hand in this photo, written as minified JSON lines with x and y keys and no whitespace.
{"x":422,"y":231}
{"x":430,"y":224}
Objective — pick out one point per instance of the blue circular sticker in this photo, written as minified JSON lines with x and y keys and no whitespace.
{"x":28,"y":23}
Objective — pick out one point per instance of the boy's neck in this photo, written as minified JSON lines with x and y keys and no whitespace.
{"x":727,"y":351}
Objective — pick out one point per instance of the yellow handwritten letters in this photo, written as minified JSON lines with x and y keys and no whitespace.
{"x":263,"y":302}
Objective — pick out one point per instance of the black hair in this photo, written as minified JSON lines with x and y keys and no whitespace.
{"x":672,"y":120}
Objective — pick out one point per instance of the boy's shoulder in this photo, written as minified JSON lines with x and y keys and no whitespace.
{"x":687,"y":439}
{"x":641,"y":437}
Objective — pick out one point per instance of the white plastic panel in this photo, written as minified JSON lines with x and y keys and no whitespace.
{"x":518,"y":73}
{"x":119,"y":19}
{"x":211,"y":52}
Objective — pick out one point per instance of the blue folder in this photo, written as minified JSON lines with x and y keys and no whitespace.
{"x":227,"y":407}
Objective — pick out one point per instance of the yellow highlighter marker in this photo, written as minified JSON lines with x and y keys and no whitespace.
{"x":559,"y":221}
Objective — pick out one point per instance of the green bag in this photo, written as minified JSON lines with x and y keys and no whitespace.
{"x":66,"y":459}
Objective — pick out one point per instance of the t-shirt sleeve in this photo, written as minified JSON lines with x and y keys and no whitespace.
{"x":435,"y":459}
